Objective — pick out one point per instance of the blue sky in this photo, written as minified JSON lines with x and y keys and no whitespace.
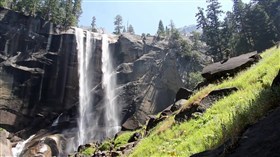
{"x":144,"y":15}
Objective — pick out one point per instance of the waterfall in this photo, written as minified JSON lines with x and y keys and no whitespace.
{"x":109,"y":85}
{"x":95,"y":123}
{"x":85,"y":75}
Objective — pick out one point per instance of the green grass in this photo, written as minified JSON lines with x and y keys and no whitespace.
{"x":123,"y":138}
{"x":224,"y":120}
{"x":88,"y":151}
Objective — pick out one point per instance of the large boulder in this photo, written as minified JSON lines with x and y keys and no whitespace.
{"x":183,"y":93}
{"x":205,"y":103}
{"x":45,"y":145}
{"x":5,"y":144}
{"x":230,"y":66}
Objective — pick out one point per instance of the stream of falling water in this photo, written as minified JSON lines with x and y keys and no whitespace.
{"x":89,"y":124}
{"x":85,"y":74}
{"x":109,"y":85}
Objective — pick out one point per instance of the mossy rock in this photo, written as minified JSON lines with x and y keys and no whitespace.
{"x":106,"y":145}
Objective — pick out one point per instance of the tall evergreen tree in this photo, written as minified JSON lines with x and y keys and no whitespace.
{"x":130,"y":29}
{"x":167,"y":31}
{"x":227,"y":35}
{"x":70,"y":18}
{"x":243,"y":42}
{"x":77,"y":10}
{"x":261,"y":28}
{"x":118,"y":24}
{"x":160,"y":31}
{"x":124,"y":30}
{"x":272,"y":8}
{"x":93,"y":24}
{"x":211,"y":28}
{"x":172,"y":26}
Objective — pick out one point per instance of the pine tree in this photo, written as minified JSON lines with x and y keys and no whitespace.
{"x":118,"y":24}
{"x":70,"y":18}
{"x":261,"y":28}
{"x":77,"y":10}
{"x":202,"y":23}
{"x":130,"y":29}
{"x":124,"y":30}
{"x":93,"y":24}
{"x":241,"y":30}
{"x":272,"y":8}
{"x":211,"y":28}
{"x":172,"y":26}
{"x":167,"y":31}
{"x":227,"y":35}
{"x":160,"y":31}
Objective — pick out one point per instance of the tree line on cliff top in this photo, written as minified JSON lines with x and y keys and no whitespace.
{"x":63,"y":12}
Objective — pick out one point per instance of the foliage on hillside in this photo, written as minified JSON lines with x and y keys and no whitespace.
{"x":62,"y":12}
{"x":248,"y":27}
{"x":225,"y":119}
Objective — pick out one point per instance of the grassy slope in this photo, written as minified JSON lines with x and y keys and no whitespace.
{"x":224,"y":120}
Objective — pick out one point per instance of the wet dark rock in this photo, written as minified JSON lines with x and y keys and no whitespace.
{"x":276,"y":80}
{"x":116,"y":153}
{"x":135,"y":137}
{"x":206,"y":102}
{"x":81,"y":148}
{"x":183,"y":93}
{"x":218,"y":70}
{"x":153,"y":121}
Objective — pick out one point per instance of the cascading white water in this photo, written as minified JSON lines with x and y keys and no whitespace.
{"x":91,"y":124}
{"x":109,"y":85}
{"x":19,"y":147}
{"x":85,"y":75}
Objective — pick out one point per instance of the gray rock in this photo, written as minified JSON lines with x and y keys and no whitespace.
{"x":177,"y":105}
{"x":5,"y":144}
{"x":183,"y":93}
{"x":230,"y":66}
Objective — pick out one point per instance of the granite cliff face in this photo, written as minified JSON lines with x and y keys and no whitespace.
{"x":38,"y":72}
{"x":39,"y":76}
